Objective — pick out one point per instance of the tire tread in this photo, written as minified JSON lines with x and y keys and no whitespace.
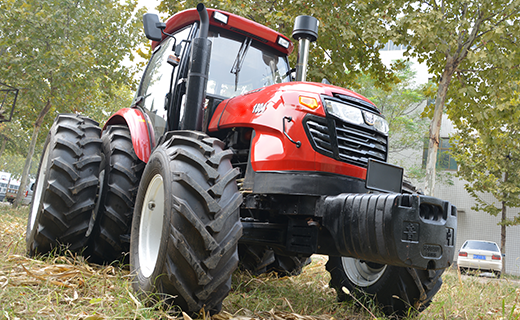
{"x":74,"y":157}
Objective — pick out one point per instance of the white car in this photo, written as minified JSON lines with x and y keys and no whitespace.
{"x":480,"y":255}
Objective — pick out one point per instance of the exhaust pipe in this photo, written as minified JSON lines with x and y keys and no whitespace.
{"x":197,"y":75}
{"x":305,"y":31}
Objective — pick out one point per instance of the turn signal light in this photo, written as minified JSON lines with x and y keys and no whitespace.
{"x":308,"y":102}
{"x":463,"y":254}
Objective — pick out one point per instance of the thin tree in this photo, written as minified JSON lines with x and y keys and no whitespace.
{"x":489,"y":160}
{"x":451,"y":35}
{"x":67,"y":54}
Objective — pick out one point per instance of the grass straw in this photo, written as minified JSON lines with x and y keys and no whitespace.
{"x":62,"y":285}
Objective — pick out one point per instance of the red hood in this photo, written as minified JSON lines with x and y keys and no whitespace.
{"x":246,"y":109}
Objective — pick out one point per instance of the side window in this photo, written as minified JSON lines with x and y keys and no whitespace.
{"x":156,"y":83}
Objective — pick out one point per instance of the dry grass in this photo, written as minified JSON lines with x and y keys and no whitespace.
{"x":65,"y":287}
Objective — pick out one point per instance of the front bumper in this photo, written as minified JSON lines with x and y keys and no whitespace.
{"x":396,"y":229}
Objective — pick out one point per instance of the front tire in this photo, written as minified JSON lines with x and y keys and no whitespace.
{"x":186,"y":225}
{"x":398,"y":290}
{"x":66,"y":186}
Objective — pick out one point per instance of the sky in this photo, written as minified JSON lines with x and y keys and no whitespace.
{"x":149,"y":4}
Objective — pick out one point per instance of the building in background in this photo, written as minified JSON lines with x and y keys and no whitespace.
{"x":4,"y":181}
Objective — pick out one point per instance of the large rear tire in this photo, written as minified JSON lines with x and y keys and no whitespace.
{"x":66,"y":186}
{"x":121,"y":175}
{"x":398,"y":290}
{"x":186,"y":225}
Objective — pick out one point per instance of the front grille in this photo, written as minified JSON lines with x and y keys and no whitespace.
{"x":346,"y":142}
{"x":319,"y":132}
{"x":357,"y":145}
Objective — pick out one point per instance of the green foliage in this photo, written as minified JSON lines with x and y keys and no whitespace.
{"x":65,"y":57}
{"x":464,"y":44}
{"x":66,"y":54}
{"x":350,"y":33}
{"x":14,"y":163}
{"x":15,"y":136}
{"x":400,"y":104}
{"x":453,"y":33}
{"x":489,"y":159}
{"x":486,"y":111}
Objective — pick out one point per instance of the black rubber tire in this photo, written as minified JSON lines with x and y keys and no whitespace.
{"x":262,"y":259}
{"x":186,"y":226}
{"x":255,"y":259}
{"x":110,"y":240}
{"x":66,"y":186}
{"x":398,"y":291}
{"x":288,"y":265}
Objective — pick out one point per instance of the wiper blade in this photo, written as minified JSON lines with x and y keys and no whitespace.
{"x":239,"y":60}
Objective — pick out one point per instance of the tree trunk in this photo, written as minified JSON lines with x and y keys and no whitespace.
{"x":4,"y":142}
{"x":435,"y":125}
{"x":503,"y":236}
{"x":503,"y":230}
{"x":30,"y":153}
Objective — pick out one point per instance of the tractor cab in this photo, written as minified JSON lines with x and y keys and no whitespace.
{"x":239,"y":63}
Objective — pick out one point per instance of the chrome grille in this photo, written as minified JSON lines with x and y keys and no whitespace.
{"x":319,"y":131}
{"x":357,"y":145}
{"x":354,"y":144}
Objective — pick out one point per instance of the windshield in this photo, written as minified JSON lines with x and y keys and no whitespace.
{"x":239,"y":65}
{"x":481,"y":245}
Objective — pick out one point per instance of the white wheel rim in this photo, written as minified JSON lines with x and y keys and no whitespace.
{"x":360,"y":273}
{"x":150,"y":226}
{"x":37,"y":195}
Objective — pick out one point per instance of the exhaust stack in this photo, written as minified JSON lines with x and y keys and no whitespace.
{"x":197,"y":75}
{"x":305,"y":31}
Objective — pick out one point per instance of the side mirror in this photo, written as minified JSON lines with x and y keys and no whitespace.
{"x":152,"y":26}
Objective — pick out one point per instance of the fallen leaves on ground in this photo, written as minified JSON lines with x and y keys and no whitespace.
{"x":62,"y":271}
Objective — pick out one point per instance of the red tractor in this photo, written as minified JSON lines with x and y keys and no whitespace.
{"x":224,"y":159}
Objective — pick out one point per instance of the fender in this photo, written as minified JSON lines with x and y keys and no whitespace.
{"x":139,"y":130}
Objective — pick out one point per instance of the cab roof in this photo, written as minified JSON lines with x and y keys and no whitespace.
{"x":235,"y":24}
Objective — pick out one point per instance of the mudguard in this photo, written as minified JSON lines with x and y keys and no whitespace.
{"x":139,"y":130}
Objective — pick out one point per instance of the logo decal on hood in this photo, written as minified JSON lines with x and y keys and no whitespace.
{"x":259,"y":108}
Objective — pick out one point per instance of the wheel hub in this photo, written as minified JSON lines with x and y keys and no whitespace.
{"x":361,"y":273}
{"x":151,"y":225}
{"x":39,"y":188}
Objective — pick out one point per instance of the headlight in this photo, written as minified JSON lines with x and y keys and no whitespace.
{"x":378,"y":122}
{"x":345,"y":112}
{"x":356,"y":116}
{"x":381,"y":125}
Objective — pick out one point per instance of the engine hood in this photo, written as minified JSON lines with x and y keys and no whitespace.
{"x":251,"y":108}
